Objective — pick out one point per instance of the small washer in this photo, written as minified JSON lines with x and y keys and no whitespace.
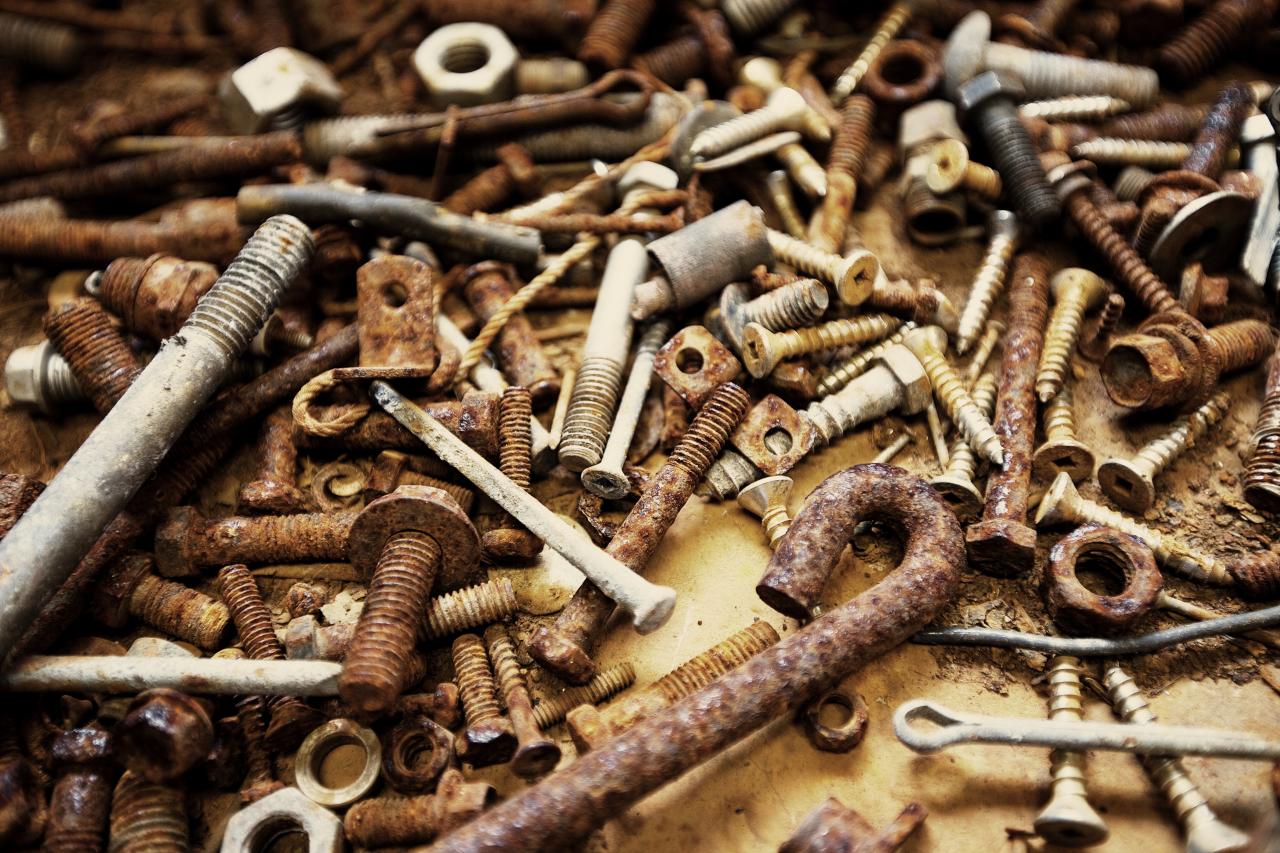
{"x":318,"y":745}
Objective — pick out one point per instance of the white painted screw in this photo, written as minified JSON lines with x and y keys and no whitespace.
{"x":1068,"y":819}
{"x":1002,"y":242}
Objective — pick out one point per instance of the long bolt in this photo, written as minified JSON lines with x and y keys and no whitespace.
{"x":42,"y":549}
{"x":99,"y":356}
{"x":1204,"y":831}
{"x":80,"y":805}
{"x":1262,"y":473}
{"x":1062,"y":451}
{"x":607,"y":477}
{"x":589,"y":727}
{"x":1220,"y":131}
{"x":565,"y":646}
{"x":767,"y":500}
{"x":927,"y":344}
{"x":187,"y":541}
{"x":955,"y":483}
{"x":885,"y":29}
{"x":535,"y":755}
{"x":1130,"y":483}
{"x":1075,"y":291}
{"x":988,"y":282}
{"x":849,"y":146}
{"x":1068,"y":819}
{"x":147,"y":816}
{"x":508,"y":540}
{"x":784,"y":110}
{"x":763,"y":349}
{"x":853,"y":275}
{"x":841,"y":373}
{"x":1062,"y":505}
{"x":611,"y":681}
{"x":489,"y":737}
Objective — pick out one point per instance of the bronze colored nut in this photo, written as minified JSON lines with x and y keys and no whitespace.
{"x":694,"y":364}
{"x":904,"y":73}
{"x":415,"y":753}
{"x":164,"y":734}
{"x":426,"y":510}
{"x":755,"y":435}
{"x":1147,"y":371}
{"x":838,"y":738}
{"x":1078,"y":610}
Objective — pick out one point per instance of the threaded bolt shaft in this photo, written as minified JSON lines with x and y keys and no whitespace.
{"x":98,"y":355}
{"x":591,"y":408}
{"x":1075,"y":291}
{"x":988,"y":282}
{"x":378,"y":660}
{"x":147,"y":816}
{"x":180,"y":611}
{"x":475,"y":679}
{"x":1262,"y":473}
{"x":763,"y":349}
{"x":1202,"y":827}
{"x":184,"y":543}
{"x":885,"y":29}
{"x":1207,"y":40}
{"x":1060,"y":417}
{"x":1017,"y":161}
{"x":614,"y":31}
{"x":535,"y":755}
{"x":849,"y":146}
{"x":1130,"y":183}
{"x":803,"y":168}
{"x":951,"y":392}
{"x":1243,"y":343}
{"x":749,"y":17}
{"x":610,"y":682}
{"x":1097,"y":334}
{"x":53,"y":47}
{"x":464,"y":496}
{"x":841,"y":373}
{"x":1075,"y":108}
{"x":472,"y":607}
{"x":962,"y":461}
{"x":1050,"y":75}
{"x":982,"y":354}
{"x":1147,"y":153}
{"x":259,"y":778}
{"x":784,"y":110}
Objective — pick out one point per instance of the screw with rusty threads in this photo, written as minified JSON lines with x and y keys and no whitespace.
{"x":849,"y":146}
{"x":147,"y":816}
{"x":170,"y":607}
{"x":535,"y":755}
{"x":489,"y":737}
{"x":291,"y":718}
{"x":509,"y":541}
{"x":928,"y":344}
{"x":1262,"y":473}
{"x":470,"y":607}
{"x":494,"y":185}
{"x":1207,"y":41}
{"x":1096,"y":336}
{"x":186,"y":540}
{"x":99,"y":356}
{"x":1068,"y":819}
{"x":1062,"y":451}
{"x":1075,"y":291}
{"x":763,"y":349}
{"x":387,"y":821}
{"x":43,"y":44}
{"x":766,"y":498}
{"x":614,"y":31}
{"x":251,"y":716}
{"x":1147,"y":153}
{"x":853,"y":275}
{"x":1205,"y":833}
{"x":885,"y":29}
{"x":1130,"y":483}
{"x":1220,"y":130}
{"x":80,"y":804}
{"x":564,"y":646}
{"x":275,"y":488}
{"x":611,"y":681}
{"x":841,"y":373}
{"x":1063,"y":505}
{"x":590,"y":727}
{"x":955,"y":483}
{"x":152,"y":296}
{"x":950,"y":169}
{"x":795,"y":305}
{"x":1002,"y":242}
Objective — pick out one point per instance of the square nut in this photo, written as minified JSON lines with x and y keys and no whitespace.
{"x":774,"y":436}
{"x":279,"y":82}
{"x":695,"y":364}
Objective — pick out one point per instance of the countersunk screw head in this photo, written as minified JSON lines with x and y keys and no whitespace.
{"x":856,"y":276}
{"x":949,"y":160}
{"x":1128,"y":485}
{"x":1057,"y":505}
{"x":960,"y":494}
{"x":764,"y":493}
{"x":1062,"y":455}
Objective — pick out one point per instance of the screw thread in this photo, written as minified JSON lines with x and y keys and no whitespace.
{"x":777,"y":521}
{"x":729,"y":653}
{"x":805,"y":257}
{"x":987,"y":285}
{"x":886,"y":28}
{"x":472,"y":607}
{"x":1148,"y":153}
{"x":956,"y":401}
{"x":515,"y":434}
{"x":1131,"y":181}
{"x":842,"y":373}
{"x":276,"y":538}
{"x":748,"y":17}
{"x":251,"y":713}
{"x":1046,"y":74}
{"x":465,"y":497}
{"x":146,"y":816}
{"x":508,"y":675}
{"x":60,"y":383}
{"x":1060,"y":416}
{"x":95,"y":351}
{"x":1262,"y":473}
{"x":731,"y":473}
{"x":710,"y":429}
{"x":803,"y":168}
{"x":26,"y":41}
{"x":1157,"y":454}
{"x":1203,"y":43}
{"x":614,"y":31}
{"x":983,"y":180}
{"x":1218,"y":134}
{"x":800,"y":303}
{"x":1127,"y":264}
{"x":1059,"y":342}
{"x":373,"y":673}
{"x":1257,"y":576}
{"x":485,"y":191}
{"x":738,"y":131}
{"x":987,"y":344}
{"x":249,"y":612}
{"x":607,"y":683}
{"x":246,"y":293}
{"x":852,"y":137}
{"x":1074,"y":108}
{"x":1243,"y":343}
{"x":119,"y":283}
{"x":962,"y":462}
{"x":1097,"y":335}
{"x":384,"y":821}
{"x":1169,"y":122}
{"x":476,"y":684}
{"x":590,"y":415}
{"x":1066,"y":703}
{"x":674,"y":62}
{"x":180,"y":611}
{"x":836,"y":333}
{"x":1016,"y":158}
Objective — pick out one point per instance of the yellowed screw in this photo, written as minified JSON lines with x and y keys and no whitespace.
{"x":986,"y":346}
{"x":955,"y":483}
{"x":780,"y":193}
{"x":1062,"y":505}
{"x":766,"y":73}
{"x":1068,"y":819}
{"x":1075,"y":108}
{"x":608,"y":682}
{"x":763,"y":349}
{"x":886,"y":28}
{"x":1002,"y":242}
{"x":854,"y":274}
{"x":843,"y":372}
{"x":803,"y":168}
{"x":1130,"y":483}
{"x":951,"y":169}
{"x":1075,"y":291}
{"x":1062,"y":451}
{"x":1149,"y":153}
{"x":766,"y":498}
{"x":928,"y":345}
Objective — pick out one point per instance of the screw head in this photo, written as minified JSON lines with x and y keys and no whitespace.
{"x":1071,"y":822}
{"x":857,"y":276}
{"x":1062,"y":455}
{"x":1126,"y":485}
{"x":174,"y":545}
{"x":758,"y":350}
{"x":762,"y":71}
{"x":1056,"y":506}
{"x":948,"y":162}
{"x":1072,"y":278}
{"x":962,"y":56}
{"x":164,"y":734}
{"x":764,"y":493}
{"x":961,"y":495}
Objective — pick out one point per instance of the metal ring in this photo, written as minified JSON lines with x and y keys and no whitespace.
{"x":418,"y":750}
{"x":842,"y":738}
{"x":318,"y":745}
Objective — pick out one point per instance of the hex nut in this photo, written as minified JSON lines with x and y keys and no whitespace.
{"x":276,"y":89}
{"x":1078,"y":610}
{"x":467,"y":64}
{"x":773,"y":415}
{"x":253,"y":827}
{"x":319,"y":744}
{"x":694,"y":363}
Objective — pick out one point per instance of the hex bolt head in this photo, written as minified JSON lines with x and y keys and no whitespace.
{"x":164,"y":734}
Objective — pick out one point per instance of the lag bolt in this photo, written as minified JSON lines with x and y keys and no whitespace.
{"x":535,"y":755}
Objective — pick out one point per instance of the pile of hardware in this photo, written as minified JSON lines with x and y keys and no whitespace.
{"x":332,"y":234}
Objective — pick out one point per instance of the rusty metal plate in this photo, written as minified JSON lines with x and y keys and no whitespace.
{"x":694,"y":364}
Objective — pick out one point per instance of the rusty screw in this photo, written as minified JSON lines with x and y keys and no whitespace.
{"x":402,"y":542}
{"x":163,"y":734}
{"x":487,"y":286}
{"x":1062,"y":451}
{"x":535,"y":755}
{"x":99,"y":356}
{"x":251,"y":717}
{"x":489,"y":737}
{"x":1002,"y":543}
{"x":80,"y":804}
{"x":1075,"y":291}
{"x":950,"y":169}
{"x":147,"y":816}
{"x":384,"y":821}
{"x":1262,"y":473}
{"x":614,"y":31}
{"x":849,"y":146}
{"x":488,"y":189}
{"x":472,"y":607}
{"x":1208,"y":40}
{"x":564,"y":647}
{"x":152,"y":296}
{"x":1096,"y":336}
{"x":291,"y":718}
{"x":590,"y":727}
{"x":509,"y":541}
{"x":275,"y":489}
{"x":131,"y":589}
{"x":186,"y":540}
{"x":611,"y":681}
